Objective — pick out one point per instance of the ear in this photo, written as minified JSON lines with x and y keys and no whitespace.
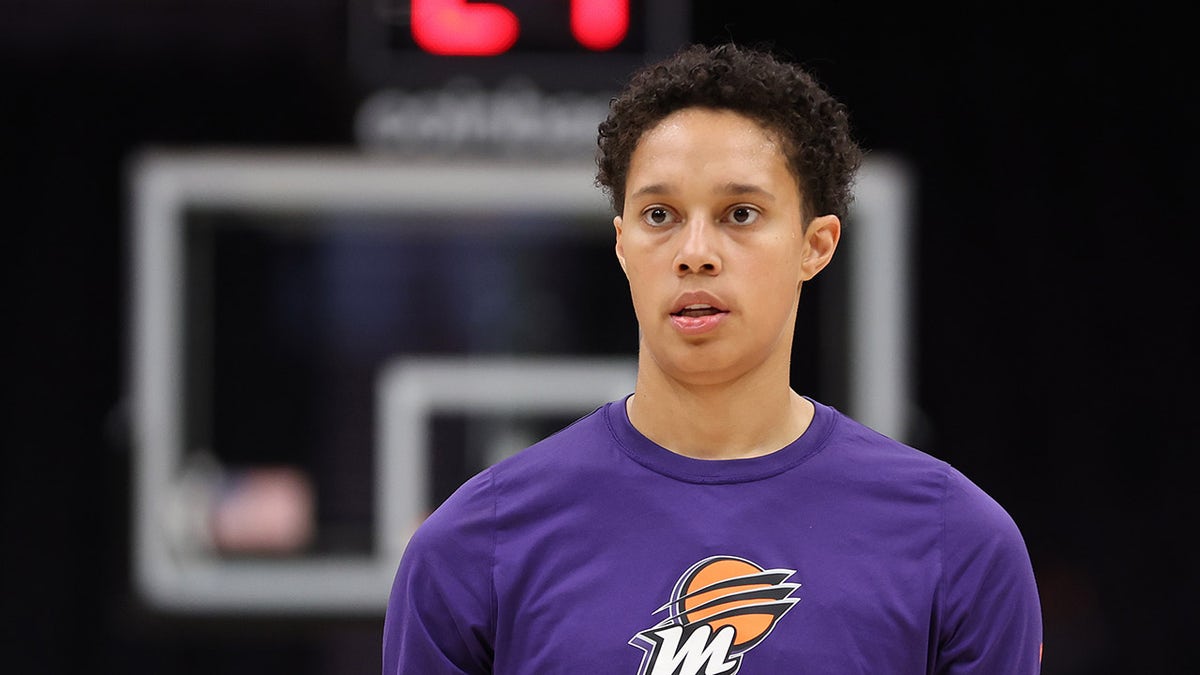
{"x":820,"y":241}
{"x":620,"y":249}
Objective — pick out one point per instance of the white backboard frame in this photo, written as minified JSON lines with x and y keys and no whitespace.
{"x":163,"y":183}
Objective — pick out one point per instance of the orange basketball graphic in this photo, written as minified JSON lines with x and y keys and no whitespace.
{"x":718,"y":589}
{"x":728,"y":591}
{"x":720,"y":608}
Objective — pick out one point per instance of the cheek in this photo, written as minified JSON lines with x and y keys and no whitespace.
{"x":637,"y":280}
{"x":639,"y":261}
{"x":795,"y":263}
{"x":775,"y":287}
{"x":779,"y":269}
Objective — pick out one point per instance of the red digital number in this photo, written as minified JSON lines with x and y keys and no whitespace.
{"x":599,"y":25}
{"x":462,"y":28}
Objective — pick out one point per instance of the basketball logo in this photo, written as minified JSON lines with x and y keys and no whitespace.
{"x":720,"y":608}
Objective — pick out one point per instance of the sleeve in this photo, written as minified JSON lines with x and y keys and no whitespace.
{"x":440,"y":617}
{"x":990,"y":610}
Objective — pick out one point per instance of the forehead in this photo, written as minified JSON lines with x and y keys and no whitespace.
{"x":716,"y":126}
{"x":697,"y":144}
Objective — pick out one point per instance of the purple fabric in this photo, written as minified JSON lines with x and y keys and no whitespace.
{"x":845,"y":552}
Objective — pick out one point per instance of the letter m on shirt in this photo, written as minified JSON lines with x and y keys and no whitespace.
{"x":676,"y":650}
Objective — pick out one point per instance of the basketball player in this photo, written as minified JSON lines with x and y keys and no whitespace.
{"x":715,"y":521}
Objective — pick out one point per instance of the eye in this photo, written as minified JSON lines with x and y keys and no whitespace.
{"x":743,"y":215}
{"x":658,"y":216}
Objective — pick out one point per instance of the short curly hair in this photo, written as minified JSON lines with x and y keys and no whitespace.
{"x":811,"y":125}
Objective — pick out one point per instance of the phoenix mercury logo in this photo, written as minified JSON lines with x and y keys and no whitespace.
{"x":720,"y":609}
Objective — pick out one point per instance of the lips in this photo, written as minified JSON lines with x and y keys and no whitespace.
{"x":697,"y":310}
{"x":698,"y":303}
{"x":696,"y":313}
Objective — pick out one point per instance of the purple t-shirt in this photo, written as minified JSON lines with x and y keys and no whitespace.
{"x":598,"y":551}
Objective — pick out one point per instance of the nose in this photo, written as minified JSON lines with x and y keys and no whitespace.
{"x":698,"y":248}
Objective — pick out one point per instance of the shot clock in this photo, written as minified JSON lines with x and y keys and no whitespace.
{"x":577,"y":45}
{"x":462,"y":28}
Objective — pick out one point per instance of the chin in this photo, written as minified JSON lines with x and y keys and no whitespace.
{"x":700,"y":370}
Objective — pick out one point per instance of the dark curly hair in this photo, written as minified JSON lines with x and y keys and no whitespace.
{"x":812,"y":127}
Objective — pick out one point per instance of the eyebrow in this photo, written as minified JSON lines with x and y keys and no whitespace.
{"x":727,"y":189}
{"x":745,"y":189}
{"x":651,"y":189}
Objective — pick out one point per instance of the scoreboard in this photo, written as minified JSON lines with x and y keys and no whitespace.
{"x":579,"y":45}
{"x":460,"y":28}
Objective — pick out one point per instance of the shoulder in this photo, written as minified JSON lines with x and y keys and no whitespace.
{"x":987,"y":611}
{"x":550,"y":461}
{"x":569,"y":450}
{"x":981,"y":542}
{"x":859,"y":453}
{"x":965,"y":508}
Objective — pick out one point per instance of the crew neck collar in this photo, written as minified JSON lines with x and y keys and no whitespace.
{"x":659,"y":459}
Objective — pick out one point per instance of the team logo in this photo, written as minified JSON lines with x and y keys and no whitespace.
{"x":720,"y":609}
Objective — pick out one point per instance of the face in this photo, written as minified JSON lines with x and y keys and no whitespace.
{"x":713,"y":242}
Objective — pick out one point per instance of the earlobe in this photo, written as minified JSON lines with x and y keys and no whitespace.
{"x":619,"y":249}
{"x":820,"y":241}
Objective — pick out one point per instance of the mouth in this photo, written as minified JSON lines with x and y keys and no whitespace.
{"x":697,"y":310}
{"x":698,"y":313}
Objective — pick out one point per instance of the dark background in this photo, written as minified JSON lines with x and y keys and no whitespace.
{"x":1056,"y":305}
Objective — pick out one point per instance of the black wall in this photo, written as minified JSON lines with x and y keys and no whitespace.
{"x":1056,"y":306}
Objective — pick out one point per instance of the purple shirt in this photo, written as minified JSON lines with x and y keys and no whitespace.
{"x":598,"y":551}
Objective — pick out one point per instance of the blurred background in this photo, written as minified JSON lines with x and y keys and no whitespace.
{"x":1052,"y":156}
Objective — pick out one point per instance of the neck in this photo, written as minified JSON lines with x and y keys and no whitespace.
{"x":751,"y":416}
